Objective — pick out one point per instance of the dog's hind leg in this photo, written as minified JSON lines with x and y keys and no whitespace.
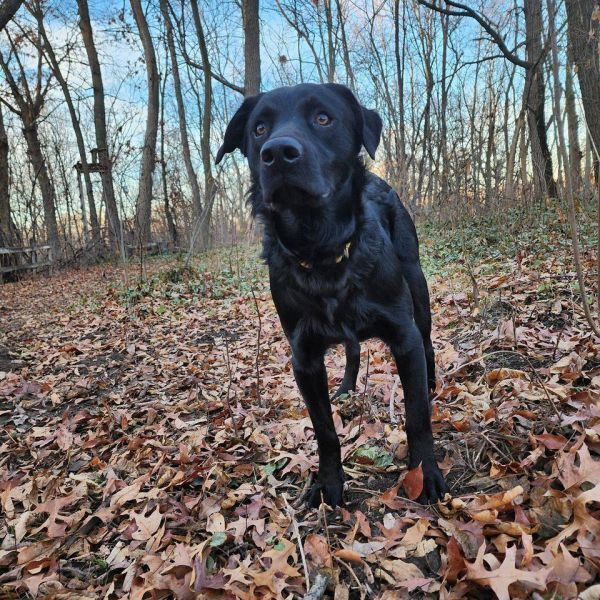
{"x":422,"y":314}
{"x":351,"y":372}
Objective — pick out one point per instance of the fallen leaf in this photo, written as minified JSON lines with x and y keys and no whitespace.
{"x":507,"y":574}
{"x":413,"y":482}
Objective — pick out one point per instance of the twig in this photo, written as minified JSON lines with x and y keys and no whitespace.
{"x":558,"y":340}
{"x":227,"y":401}
{"x":597,"y":153}
{"x":364,"y":392}
{"x":258,"y":333}
{"x":318,"y":588}
{"x":502,"y":454}
{"x":352,"y":573}
{"x":565,"y":275}
{"x":296,"y":503}
{"x":290,"y":512}
{"x":392,"y":400}
{"x":514,"y":324}
{"x":577,"y":260}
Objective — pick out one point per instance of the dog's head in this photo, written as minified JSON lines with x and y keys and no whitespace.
{"x":301,"y":142}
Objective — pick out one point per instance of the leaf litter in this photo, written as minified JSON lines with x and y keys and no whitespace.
{"x":142,"y":457}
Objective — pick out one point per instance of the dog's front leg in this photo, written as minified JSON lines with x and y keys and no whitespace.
{"x":311,"y":377}
{"x":409,"y":354}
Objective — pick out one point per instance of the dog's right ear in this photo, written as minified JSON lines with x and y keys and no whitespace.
{"x":236,"y":130}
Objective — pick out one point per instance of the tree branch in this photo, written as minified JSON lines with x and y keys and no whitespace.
{"x":466,"y":11}
{"x":8,"y":8}
{"x":196,"y":65}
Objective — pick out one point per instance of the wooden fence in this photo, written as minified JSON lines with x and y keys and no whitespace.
{"x":23,"y":259}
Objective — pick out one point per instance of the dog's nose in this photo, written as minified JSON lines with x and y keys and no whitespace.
{"x":281,"y":152}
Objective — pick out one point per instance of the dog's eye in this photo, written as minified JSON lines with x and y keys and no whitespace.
{"x":323,"y":119}
{"x":260,"y":129}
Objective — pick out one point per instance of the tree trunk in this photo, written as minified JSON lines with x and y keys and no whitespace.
{"x":8,"y":231}
{"x":29,"y":103}
{"x":8,"y":8}
{"x":541,"y":158}
{"x":183,"y":133}
{"x":345,"y":52}
{"x":572,"y":128}
{"x":38,"y":162}
{"x":54,"y":65}
{"x":584,"y":37}
{"x":330,"y":45}
{"x":163,"y":163}
{"x":210,"y":187}
{"x":426,"y":41}
{"x":400,"y":59}
{"x":444,"y":109}
{"x":489,"y":163}
{"x":143,"y":211}
{"x":525,"y":185}
{"x":250,"y":15}
{"x":112,"y":212}
{"x":509,"y":190}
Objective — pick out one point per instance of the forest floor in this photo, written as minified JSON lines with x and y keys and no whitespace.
{"x":153,"y":443}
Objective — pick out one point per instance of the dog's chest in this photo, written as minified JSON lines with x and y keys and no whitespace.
{"x":338,"y":317}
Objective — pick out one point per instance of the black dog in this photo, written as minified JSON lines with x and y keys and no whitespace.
{"x":343,"y":258}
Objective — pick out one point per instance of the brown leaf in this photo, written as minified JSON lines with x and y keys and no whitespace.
{"x":505,"y":575}
{"x":400,"y":570}
{"x":551,"y":441}
{"x":317,"y":551}
{"x":146,"y":526}
{"x":571,"y":474}
{"x":455,"y":561}
{"x":496,"y":375}
{"x":64,"y":438}
{"x":413,"y":482}
{"x":348,"y":555}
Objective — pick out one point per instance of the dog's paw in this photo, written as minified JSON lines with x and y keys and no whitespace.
{"x":342,"y":391}
{"x":330,"y":492}
{"x":434,"y":485}
{"x":431,"y":385}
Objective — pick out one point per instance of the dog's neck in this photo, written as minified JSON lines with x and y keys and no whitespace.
{"x":314,"y":233}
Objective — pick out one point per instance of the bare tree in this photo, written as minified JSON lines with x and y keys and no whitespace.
{"x":534,"y":85}
{"x":534,"y":91}
{"x":143,"y":213}
{"x":104,"y":155}
{"x":171,"y":228}
{"x":28,"y":104}
{"x":250,"y":15}
{"x":584,"y":36}
{"x":210,"y":188}
{"x":572,"y":127}
{"x":8,"y":231}
{"x":183,"y":132}
{"x":45,"y":47}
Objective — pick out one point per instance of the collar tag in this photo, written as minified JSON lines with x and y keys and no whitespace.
{"x":338,"y":259}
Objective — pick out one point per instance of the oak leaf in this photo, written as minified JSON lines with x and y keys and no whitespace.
{"x":505,"y":575}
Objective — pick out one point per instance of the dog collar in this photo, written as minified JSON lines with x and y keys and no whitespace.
{"x":338,"y":259}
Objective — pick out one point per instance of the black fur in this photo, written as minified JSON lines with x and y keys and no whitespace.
{"x":314,"y":197}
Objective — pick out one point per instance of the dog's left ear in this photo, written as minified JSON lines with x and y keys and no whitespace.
{"x":371,"y":131}
{"x":369,"y":123}
{"x":235,"y":133}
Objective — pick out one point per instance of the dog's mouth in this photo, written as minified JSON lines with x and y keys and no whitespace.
{"x":284,"y":193}
{"x":293,"y":195}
